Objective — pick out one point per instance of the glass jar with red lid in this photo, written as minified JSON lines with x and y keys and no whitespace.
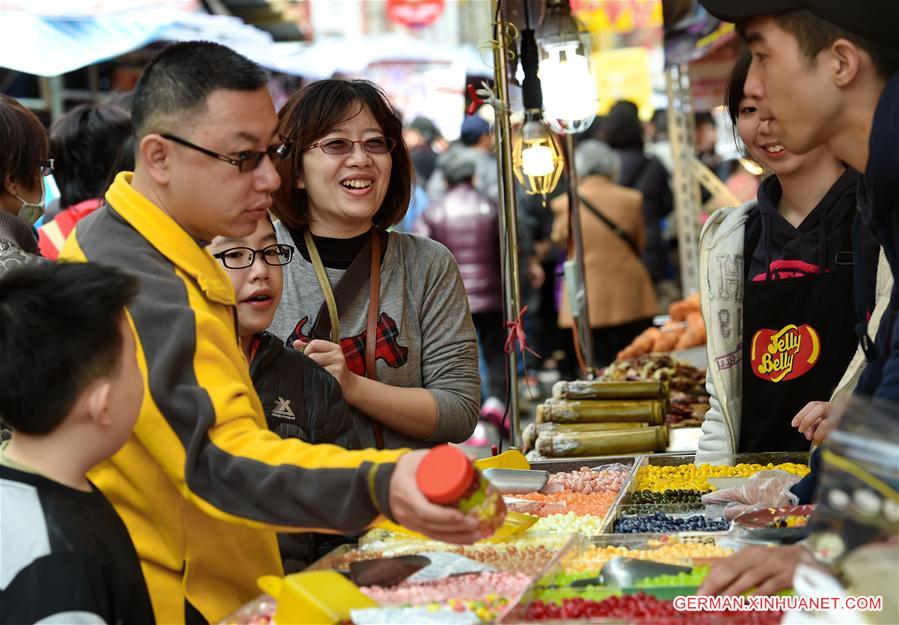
{"x":447,"y":477}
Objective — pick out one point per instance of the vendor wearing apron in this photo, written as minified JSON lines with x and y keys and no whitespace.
{"x":798,"y":312}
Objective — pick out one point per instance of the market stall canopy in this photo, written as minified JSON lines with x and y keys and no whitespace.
{"x":55,"y":38}
{"x":326,"y":57}
{"x":50,"y":45}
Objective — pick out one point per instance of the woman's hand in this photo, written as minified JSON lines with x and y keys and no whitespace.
{"x":330,"y":356}
{"x":764,"y":570}
{"x":810,"y":421}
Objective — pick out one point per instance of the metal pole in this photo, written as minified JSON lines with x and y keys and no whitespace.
{"x":578,"y":298}
{"x":51,"y":92}
{"x":687,"y":199}
{"x":508,"y":222}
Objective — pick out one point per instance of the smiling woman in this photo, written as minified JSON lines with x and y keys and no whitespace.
{"x":385,"y":313}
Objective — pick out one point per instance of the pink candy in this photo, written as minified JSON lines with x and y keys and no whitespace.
{"x":585,"y":480}
{"x":475,"y":587}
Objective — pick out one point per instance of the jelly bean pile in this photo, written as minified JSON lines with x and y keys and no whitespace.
{"x":558,"y":594}
{"x":487,"y":609}
{"x":581,"y":493}
{"x":595,"y":504}
{"x":527,"y":558}
{"x":485,"y":588}
{"x":659,"y":522}
{"x":557,"y":588}
{"x":570,"y":522}
{"x":791,"y":520}
{"x":681,"y":553}
{"x":586,"y":480}
{"x":641,"y":608}
{"x":693,"y":578}
{"x":695,"y":477}
{"x":671,"y":496}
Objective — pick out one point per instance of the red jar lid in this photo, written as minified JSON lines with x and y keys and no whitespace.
{"x":444,"y":474}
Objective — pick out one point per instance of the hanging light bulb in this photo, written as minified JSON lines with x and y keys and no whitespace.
{"x":569,"y":89}
{"x":536,"y":155}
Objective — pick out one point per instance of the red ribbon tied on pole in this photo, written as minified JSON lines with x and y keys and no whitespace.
{"x":517,"y":335}
{"x":476,"y":100}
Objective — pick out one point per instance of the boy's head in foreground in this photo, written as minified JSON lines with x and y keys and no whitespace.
{"x":68,"y":366}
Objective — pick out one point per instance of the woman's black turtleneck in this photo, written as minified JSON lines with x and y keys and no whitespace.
{"x":335,"y":253}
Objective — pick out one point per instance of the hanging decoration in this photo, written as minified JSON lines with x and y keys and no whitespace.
{"x":569,"y":89}
{"x":536,"y":156}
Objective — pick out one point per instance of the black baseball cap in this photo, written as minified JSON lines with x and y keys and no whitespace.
{"x":875,"y":20}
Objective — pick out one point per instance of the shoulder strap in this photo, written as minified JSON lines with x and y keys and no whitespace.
{"x":858,"y":292}
{"x":371,"y":326}
{"x":344,"y":291}
{"x":618,"y":230}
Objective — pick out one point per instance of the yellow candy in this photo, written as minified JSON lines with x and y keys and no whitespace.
{"x":695,"y":477}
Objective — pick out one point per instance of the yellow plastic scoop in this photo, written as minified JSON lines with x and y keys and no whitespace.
{"x":514,"y":524}
{"x":314,"y":597}
{"x":511,"y":459}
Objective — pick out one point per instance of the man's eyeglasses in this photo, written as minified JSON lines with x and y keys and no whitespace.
{"x":336,"y":147}
{"x":47,"y":167}
{"x":243,"y":257}
{"x":245,"y":161}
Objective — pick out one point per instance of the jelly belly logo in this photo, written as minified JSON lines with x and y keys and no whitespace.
{"x":785,"y":354}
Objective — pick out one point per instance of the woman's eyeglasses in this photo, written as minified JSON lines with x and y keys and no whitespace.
{"x":337,"y":147}
{"x":47,"y":167}
{"x":243,"y":257}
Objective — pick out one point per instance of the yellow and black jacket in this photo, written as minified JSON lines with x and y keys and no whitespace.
{"x":202,"y":485}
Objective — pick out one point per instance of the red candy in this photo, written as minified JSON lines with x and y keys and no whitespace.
{"x":641,"y":608}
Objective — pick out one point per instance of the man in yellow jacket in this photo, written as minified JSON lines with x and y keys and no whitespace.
{"x":202,"y":484}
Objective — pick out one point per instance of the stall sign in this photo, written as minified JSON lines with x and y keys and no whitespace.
{"x":691,"y":32}
{"x":414,"y":12}
{"x":624,"y":74}
{"x":620,"y":16}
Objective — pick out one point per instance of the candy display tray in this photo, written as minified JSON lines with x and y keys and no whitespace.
{"x":574,"y":464}
{"x":563,"y":563}
{"x":340,"y":558}
{"x":676,"y":460}
{"x":508,"y":556}
{"x":724,"y":540}
{"x":773,"y":457}
{"x":678,"y":511}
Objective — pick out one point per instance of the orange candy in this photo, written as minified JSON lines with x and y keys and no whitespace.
{"x":596,"y":504}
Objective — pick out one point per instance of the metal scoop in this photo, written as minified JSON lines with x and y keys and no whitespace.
{"x":628,"y":572}
{"x":386,"y":571}
{"x":516,"y":481}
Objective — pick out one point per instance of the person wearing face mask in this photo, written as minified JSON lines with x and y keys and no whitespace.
{"x":776,"y":287}
{"x":24,"y":152}
{"x":385,"y":313}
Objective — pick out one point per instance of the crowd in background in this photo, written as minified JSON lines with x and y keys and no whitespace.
{"x":455,"y":202}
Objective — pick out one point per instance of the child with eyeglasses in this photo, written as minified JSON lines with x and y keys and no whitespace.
{"x":300,"y":399}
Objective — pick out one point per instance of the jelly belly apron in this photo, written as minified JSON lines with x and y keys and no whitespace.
{"x":798,"y":339}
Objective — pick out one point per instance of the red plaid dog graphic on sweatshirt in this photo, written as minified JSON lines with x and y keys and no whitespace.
{"x":387,"y":348}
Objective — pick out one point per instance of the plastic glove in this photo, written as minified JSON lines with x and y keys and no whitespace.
{"x":765,"y":489}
